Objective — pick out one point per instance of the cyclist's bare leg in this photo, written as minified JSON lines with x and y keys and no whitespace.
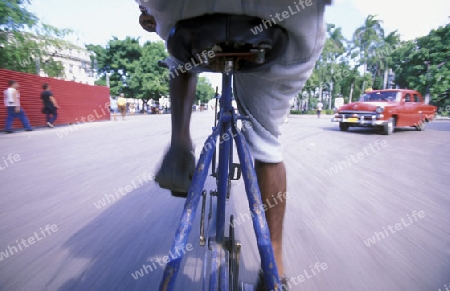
{"x":272,"y":180}
{"x":178,"y":164}
{"x":271,"y":177}
{"x":182,"y":94}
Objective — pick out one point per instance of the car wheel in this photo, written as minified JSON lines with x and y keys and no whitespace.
{"x":421,"y":125}
{"x":389,"y":126}
{"x":379,"y":129}
{"x":343,"y":126}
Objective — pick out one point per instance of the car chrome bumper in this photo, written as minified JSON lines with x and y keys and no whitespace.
{"x":362,"y":120}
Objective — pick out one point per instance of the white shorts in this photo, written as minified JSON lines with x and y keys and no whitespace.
{"x":264,"y":95}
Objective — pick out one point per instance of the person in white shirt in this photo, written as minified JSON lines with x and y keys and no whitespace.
{"x":319,"y":108}
{"x":12,"y":104}
{"x":113,"y":107}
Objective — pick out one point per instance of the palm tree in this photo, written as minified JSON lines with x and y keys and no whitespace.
{"x":332,"y":51}
{"x":380,"y":63}
{"x":367,"y":39}
{"x":390,"y":43}
{"x":335,"y":49}
{"x":339,"y":41}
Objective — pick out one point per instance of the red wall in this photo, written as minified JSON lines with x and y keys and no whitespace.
{"x":76,"y":101}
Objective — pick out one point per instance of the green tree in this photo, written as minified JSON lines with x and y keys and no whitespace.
{"x":333,"y":51}
{"x":150,"y":81}
{"x":418,"y":64}
{"x":309,"y":89}
{"x":133,"y":69}
{"x":15,"y":17}
{"x":390,"y":44}
{"x":366,"y":40}
{"x":119,"y":59}
{"x":25,"y":43}
{"x":425,"y":63}
{"x":204,"y":91}
{"x":380,"y":63}
{"x":327,"y":69}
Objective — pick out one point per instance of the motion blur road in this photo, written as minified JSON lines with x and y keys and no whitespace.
{"x":347,"y":190}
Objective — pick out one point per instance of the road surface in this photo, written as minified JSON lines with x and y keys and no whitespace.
{"x":80,"y":209}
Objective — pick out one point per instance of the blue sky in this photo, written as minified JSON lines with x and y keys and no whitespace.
{"x":96,"y":21}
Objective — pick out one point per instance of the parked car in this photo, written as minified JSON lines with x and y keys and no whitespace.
{"x":385,"y":110}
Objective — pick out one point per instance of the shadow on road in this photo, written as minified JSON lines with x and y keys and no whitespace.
{"x":356,"y":130}
{"x":135,"y":230}
{"x":132,"y":232}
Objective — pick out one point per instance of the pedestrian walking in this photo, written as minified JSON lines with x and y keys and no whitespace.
{"x":132,"y":108}
{"x":122,"y":105}
{"x":319,"y":108}
{"x":12,"y":104}
{"x":50,"y":106}
{"x":113,"y":107}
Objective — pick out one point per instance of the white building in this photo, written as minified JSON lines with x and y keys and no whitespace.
{"x":77,"y":65}
{"x":75,"y":60}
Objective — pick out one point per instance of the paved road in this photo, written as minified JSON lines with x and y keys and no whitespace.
{"x":343,"y":188}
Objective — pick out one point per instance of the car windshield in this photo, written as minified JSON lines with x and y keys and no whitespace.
{"x":379,"y":96}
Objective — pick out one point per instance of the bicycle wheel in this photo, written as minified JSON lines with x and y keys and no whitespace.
{"x":234,"y":249}
{"x":218,"y":274}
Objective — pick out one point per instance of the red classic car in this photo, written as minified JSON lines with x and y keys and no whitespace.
{"x":385,"y":110}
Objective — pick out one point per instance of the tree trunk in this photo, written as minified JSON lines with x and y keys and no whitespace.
{"x":351,"y":93}
{"x":320,"y":94}
{"x":386,"y":76}
{"x":375,"y":75}
{"x":309,"y":101}
{"x":331,"y":95}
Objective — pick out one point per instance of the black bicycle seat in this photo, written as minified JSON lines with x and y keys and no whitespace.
{"x":230,"y":37}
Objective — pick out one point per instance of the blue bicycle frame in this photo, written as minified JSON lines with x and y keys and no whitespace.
{"x":225,"y":128}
